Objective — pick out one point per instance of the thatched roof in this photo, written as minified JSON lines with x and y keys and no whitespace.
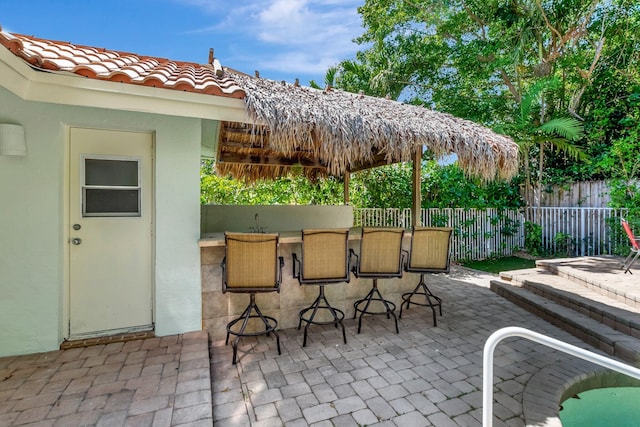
{"x":332,"y":131}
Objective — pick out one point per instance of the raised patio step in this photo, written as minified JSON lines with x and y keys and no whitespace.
{"x":593,"y":332}
{"x":585,"y":300}
{"x":600,"y":274}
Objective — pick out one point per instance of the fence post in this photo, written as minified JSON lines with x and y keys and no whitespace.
{"x":583,"y":228}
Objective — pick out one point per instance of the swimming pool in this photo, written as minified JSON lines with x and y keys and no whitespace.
{"x":612,"y":406}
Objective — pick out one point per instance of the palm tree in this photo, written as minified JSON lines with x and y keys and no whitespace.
{"x":329,"y":79}
{"x":532,"y":130}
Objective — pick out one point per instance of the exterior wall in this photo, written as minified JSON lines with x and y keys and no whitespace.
{"x":216,"y":218}
{"x":32,"y":221}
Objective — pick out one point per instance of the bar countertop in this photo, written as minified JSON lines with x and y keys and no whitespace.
{"x":217,"y":239}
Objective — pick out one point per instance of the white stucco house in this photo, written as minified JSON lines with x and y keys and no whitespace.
{"x":99,"y":190}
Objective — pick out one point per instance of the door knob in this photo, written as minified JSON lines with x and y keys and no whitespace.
{"x":76,"y":241}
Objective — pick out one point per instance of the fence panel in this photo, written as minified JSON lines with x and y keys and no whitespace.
{"x":378,"y":217}
{"x":593,"y":194}
{"x":586,"y":230}
{"x":478,"y":234}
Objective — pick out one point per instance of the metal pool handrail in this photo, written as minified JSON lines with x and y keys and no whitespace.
{"x":514,"y":331}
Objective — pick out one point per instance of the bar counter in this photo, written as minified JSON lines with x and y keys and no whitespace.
{"x":218,"y":309}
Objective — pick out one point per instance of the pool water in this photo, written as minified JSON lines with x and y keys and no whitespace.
{"x":606,"y":407}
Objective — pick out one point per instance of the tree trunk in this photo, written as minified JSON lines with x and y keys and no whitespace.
{"x":540,"y":170}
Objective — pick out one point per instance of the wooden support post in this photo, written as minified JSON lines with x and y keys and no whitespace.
{"x":417,"y":192}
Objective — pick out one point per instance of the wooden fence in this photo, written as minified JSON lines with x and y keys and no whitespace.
{"x":588,"y":194}
{"x":479,"y":234}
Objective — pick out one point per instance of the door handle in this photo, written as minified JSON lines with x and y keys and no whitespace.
{"x":76,"y":241}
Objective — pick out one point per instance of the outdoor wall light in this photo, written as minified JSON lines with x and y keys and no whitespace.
{"x":12,"y":140}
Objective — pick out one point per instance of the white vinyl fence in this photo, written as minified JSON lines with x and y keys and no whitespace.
{"x":589,"y":230}
{"x":479,"y":233}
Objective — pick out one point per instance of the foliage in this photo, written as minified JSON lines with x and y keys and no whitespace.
{"x":329,"y":78}
{"x":443,"y":186}
{"x":291,"y":190}
{"x":447,"y":186}
{"x":384,"y":187}
{"x":533,"y":238}
{"x":624,"y":161}
{"x":626,"y":194}
{"x":564,"y":244}
{"x":612,"y":126}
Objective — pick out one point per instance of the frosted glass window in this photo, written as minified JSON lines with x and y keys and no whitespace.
{"x":111,"y":188}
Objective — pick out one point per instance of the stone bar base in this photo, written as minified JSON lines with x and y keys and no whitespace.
{"x":218,"y":309}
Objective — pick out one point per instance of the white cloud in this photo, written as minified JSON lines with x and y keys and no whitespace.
{"x":301,"y":22}
{"x":288,"y":36}
{"x":298,"y":63}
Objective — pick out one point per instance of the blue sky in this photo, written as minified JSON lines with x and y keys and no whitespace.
{"x":283,"y":39}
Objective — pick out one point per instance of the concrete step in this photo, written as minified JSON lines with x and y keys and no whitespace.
{"x":600,"y":274}
{"x":576,"y":296}
{"x":599,"y":335}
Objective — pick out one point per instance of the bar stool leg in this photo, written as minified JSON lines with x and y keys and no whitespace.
{"x":375,"y":295}
{"x":321,"y":302}
{"x":269,"y":322}
{"x":423,"y":289}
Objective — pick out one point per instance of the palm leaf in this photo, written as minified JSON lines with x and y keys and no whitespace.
{"x":566,"y":127}
{"x":562,"y":144}
{"x":330,"y":76}
{"x":532,"y":95}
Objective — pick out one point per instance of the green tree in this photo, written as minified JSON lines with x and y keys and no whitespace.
{"x":329,"y":79}
{"x":294,"y":189}
{"x":479,"y":59}
{"x":530,"y":128}
{"x":382,"y":187}
{"x":443,"y":186}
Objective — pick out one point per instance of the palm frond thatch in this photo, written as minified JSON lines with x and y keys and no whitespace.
{"x":346,"y":131}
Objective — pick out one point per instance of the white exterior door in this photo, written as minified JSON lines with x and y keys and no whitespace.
{"x":110,"y":232}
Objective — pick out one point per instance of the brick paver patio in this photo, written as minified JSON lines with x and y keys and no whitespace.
{"x":154,"y":382}
{"x":423,"y":376}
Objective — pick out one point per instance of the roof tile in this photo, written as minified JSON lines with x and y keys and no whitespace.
{"x":124,"y":67}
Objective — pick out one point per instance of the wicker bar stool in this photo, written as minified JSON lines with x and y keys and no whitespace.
{"x":380,"y":258}
{"x":324,"y":261}
{"x":251,"y":265}
{"x":429,"y":254}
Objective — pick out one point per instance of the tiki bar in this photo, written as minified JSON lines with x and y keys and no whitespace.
{"x":266,"y":268}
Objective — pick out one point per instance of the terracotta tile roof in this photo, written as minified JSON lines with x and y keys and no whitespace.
{"x":124,"y":67}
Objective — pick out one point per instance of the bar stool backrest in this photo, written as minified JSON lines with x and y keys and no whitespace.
{"x":325,"y":255}
{"x":430,"y":250}
{"x":380,"y":252}
{"x":251,"y":263}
